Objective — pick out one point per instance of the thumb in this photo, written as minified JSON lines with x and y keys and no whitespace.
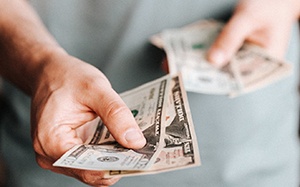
{"x":118,"y":118}
{"x":229,"y":40}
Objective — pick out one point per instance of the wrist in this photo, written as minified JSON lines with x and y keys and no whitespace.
{"x":47,"y":67}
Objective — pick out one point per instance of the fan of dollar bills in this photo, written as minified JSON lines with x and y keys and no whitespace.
{"x":250,"y":69}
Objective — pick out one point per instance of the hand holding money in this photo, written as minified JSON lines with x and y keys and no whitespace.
{"x":161,"y":110}
{"x":258,"y":22}
{"x":250,"y":68}
{"x":69,"y":95}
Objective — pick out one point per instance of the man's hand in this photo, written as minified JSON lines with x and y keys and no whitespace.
{"x":266,"y":23}
{"x":71,"y":93}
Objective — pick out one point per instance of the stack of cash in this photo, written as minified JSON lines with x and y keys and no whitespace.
{"x":162,"y":112}
{"x":250,"y":69}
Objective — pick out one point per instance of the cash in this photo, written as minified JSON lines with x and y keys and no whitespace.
{"x":250,"y":68}
{"x":161,"y":110}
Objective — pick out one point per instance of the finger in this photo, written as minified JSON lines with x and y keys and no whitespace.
{"x":93,"y":178}
{"x":165,"y":65}
{"x":274,"y":42}
{"x":230,"y":39}
{"x":117,"y":117}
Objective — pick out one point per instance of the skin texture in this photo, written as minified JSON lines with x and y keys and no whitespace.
{"x":67,"y":92}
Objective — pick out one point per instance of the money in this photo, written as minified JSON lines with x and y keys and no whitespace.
{"x":161,"y":110}
{"x":250,"y":69}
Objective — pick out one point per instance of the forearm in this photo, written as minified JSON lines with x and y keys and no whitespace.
{"x":25,"y":44}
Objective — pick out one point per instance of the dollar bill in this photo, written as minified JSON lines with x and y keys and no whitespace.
{"x":179,"y":148}
{"x":161,"y":110}
{"x":254,"y":69}
{"x":186,"y":48}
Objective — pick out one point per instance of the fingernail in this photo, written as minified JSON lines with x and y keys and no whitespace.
{"x":218,"y":58}
{"x":135,"y":136}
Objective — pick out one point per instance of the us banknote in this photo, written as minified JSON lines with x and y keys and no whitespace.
{"x":162,"y":112}
{"x":250,"y":69}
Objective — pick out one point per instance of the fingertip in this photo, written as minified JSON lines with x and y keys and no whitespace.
{"x":229,"y":40}
{"x":217,"y":57}
{"x":134,"y":138}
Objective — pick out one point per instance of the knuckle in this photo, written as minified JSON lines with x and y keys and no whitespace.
{"x":85,"y":178}
{"x":115,"y":110}
{"x":108,"y":182}
{"x":96,"y":179}
{"x":88,"y":178}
